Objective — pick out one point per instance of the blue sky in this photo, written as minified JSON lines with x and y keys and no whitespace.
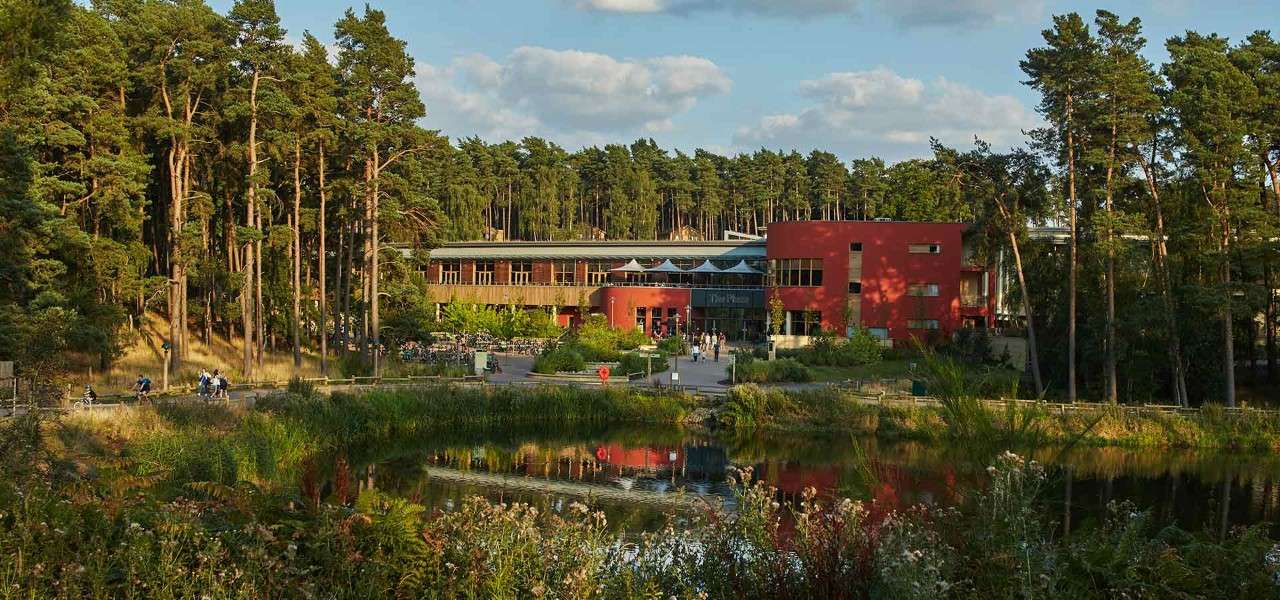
{"x":858,"y":77}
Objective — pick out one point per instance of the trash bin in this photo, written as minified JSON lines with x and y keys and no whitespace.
{"x":918,"y":387}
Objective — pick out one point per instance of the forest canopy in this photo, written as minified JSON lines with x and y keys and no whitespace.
{"x":156,"y":155}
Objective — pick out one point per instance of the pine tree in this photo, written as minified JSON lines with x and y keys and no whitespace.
{"x":1063,"y":72}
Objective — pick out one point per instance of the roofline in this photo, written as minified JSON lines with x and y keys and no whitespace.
{"x":604,"y":243}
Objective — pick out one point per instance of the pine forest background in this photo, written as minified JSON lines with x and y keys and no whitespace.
{"x":159,"y":157}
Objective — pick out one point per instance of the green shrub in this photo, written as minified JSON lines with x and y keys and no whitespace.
{"x":782,"y":370}
{"x":827,"y":350}
{"x":630,"y":339}
{"x":632,"y":362}
{"x":562,"y":358}
{"x":673,"y":346}
{"x":972,"y":344}
{"x":598,"y":342}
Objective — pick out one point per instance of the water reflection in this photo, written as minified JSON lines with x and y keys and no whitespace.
{"x":641,"y":476}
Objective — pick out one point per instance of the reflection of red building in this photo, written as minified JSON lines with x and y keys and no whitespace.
{"x":644,"y":458}
{"x":792,"y":479}
{"x":899,"y":280}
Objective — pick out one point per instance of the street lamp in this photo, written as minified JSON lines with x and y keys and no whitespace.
{"x":688,"y":322}
{"x":611,"y":313}
{"x":675,"y":375}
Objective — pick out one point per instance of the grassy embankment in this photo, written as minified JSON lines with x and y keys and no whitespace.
{"x":207,"y":501}
{"x":143,"y":354}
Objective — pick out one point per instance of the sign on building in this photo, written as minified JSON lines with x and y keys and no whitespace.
{"x":704,"y":298}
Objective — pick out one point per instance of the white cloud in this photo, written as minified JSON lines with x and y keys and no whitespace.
{"x":883,"y":113}
{"x":903,"y":13}
{"x":950,"y":13}
{"x":566,"y":94}
{"x":621,"y":6}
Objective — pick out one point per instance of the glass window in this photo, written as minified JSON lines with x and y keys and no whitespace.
{"x":598,"y":272}
{"x":451,"y":271}
{"x":922,"y":289}
{"x":922,"y":324}
{"x":564,"y":272}
{"x":855,"y":247}
{"x":521,"y":272}
{"x":484,"y":272}
{"x":796,"y":272}
{"x":924,"y":248}
{"x":805,"y":322}
{"x":879,"y":332}
{"x":855,"y":287}
{"x":640,"y":316}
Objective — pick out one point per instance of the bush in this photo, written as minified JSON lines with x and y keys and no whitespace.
{"x":632,"y":362}
{"x":673,"y":346}
{"x":598,"y":342}
{"x":972,"y":344}
{"x":787,"y":370}
{"x":860,"y":349}
{"x":561,"y":359}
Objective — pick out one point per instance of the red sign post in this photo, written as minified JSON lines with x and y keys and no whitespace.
{"x":603,"y":372}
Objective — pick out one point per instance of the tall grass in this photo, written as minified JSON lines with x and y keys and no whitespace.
{"x":961,"y":415}
{"x":388,"y":413}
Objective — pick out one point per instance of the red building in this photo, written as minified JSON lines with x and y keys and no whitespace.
{"x":899,"y":280}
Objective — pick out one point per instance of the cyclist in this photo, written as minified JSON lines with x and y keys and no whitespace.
{"x":142,"y":388}
{"x":89,"y":398}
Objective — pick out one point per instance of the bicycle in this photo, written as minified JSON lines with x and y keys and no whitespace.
{"x":86,"y":401}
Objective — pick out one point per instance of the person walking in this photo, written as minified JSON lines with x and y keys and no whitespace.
{"x":215,"y":384}
{"x":202,"y":389}
{"x":696,"y":350}
{"x":717,"y":348}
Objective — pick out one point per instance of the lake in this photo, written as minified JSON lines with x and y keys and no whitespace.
{"x":644,"y":476}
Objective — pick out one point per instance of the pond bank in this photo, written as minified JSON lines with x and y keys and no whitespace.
{"x":832,"y":409}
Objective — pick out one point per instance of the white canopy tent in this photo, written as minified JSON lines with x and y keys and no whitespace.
{"x":705,"y":267}
{"x":631,"y":267}
{"x":742,"y":269}
{"x":666,"y":267}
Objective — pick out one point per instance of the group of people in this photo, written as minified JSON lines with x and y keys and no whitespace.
{"x":708,"y":343}
{"x":212,"y":385}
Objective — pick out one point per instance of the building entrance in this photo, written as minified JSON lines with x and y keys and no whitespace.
{"x":738,"y":324}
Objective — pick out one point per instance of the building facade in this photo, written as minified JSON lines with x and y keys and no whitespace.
{"x":898,"y":280}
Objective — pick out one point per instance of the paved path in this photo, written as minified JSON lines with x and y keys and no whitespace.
{"x":704,"y":374}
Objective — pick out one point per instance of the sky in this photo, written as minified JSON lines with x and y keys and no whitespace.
{"x":856,"y":77}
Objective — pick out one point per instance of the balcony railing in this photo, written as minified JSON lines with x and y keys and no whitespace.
{"x":973,"y":301}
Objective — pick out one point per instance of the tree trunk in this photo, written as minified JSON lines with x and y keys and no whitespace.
{"x":374,"y":322}
{"x":251,"y":201}
{"x":297,"y":254}
{"x":175,"y":263}
{"x":1032,"y":351}
{"x":1110,"y":366}
{"x":1071,"y":273}
{"x":1228,"y":332}
{"x":1270,"y":321}
{"x":260,"y":309}
{"x":1166,"y":287}
{"x":324,"y":305}
{"x":348,"y":274}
